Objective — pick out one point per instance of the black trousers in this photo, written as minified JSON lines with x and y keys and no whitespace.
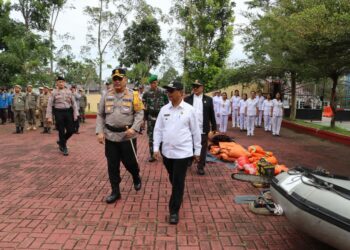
{"x":177,"y":169}
{"x":64,"y":124}
{"x":76,"y":125}
{"x":3,"y":115}
{"x":117,"y":152}
{"x":204,"y":150}
{"x":11,"y":116}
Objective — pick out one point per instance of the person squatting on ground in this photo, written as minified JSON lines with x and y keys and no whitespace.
{"x":235,"y":109}
{"x":224,"y":111}
{"x":18,"y":108}
{"x":66,"y":112}
{"x":267,"y":105}
{"x":119,"y":117}
{"x":178,"y":131}
{"x":252,"y":111}
{"x":31,"y":105}
{"x":277,"y":114}
{"x":203,"y":106}
{"x":154,"y":99}
{"x":242,"y":113}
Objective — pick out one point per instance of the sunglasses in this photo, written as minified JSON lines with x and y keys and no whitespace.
{"x":117,"y":78}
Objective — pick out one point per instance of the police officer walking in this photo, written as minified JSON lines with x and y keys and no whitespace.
{"x":31,"y":103}
{"x":66,"y":112}
{"x":43,"y":101}
{"x":119,"y":117}
{"x":178,"y":131}
{"x":18,"y":108}
{"x":153,"y":99}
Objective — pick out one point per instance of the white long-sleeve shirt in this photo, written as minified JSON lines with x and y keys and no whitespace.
{"x":242,"y":106}
{"x":267,"y":104}
{"x":178,"y":131}
{"x":225,"y":107}
{"x":198,"y":107}
{"x":252,"y":105}
{"x":260,"y":102}
{"x":235,"y":102}
{"x":216,"y":103}
{"x":277,"y":107}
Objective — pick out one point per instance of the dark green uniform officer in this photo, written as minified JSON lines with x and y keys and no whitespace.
{"x":18,"y":108}
{"x":154,"y":99}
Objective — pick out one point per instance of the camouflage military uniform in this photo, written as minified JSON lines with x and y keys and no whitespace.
{"x":153,"y":101}
{"x":18,"y":109}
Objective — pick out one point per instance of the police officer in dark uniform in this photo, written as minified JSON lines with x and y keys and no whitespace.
{"x":119,"y":117}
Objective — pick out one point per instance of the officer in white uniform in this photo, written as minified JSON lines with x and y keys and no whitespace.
{"x":251,"y":113}
{"x":267,"y":105}
{"x":258,"y":120}
{"x":235,"y":109}
{"x":216,"y":102}
{"x":242,"y":115}
{"x":277,"y":114}
{"x":224,"y":111}
{"x":178,"y":131}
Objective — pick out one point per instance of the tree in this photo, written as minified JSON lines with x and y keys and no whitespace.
{"x":142,"y":43}
{"x":170,"y":75}
{"x":207,"y":34}
{"x":139,"y":73}
{"x":104,"y":26}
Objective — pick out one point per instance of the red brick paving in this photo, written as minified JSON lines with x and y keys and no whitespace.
{"x":48,"y":201}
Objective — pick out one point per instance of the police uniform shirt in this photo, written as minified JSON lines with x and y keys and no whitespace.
{"x":117,"y":110}
{"x":235,"y":102}
{"x":61,"y":99}
{"x":178,"y":131}
{"x":252,"y":104}
{"x":267,"y":105}
{"x":277,"y":107}
{"x":198,"y":107}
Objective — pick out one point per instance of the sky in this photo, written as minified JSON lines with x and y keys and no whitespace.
{"x":74,"y":22}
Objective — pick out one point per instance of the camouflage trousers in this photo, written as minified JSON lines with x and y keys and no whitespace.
{"x":31,"y":117}
{"x":150,"y":127}
{"x":20,"y":118}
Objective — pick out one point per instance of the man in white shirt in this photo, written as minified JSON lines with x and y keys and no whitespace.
{"x":260,"y":99}
{"x":235,"y":109}
{"x":251,"y":113}
{"x":178,"y":131}
{"x":216,"y":102}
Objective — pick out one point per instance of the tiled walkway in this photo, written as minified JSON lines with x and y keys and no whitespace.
{"x":48,"y":201}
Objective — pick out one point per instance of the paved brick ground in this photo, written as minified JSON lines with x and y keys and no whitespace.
{"x":48,"y":201}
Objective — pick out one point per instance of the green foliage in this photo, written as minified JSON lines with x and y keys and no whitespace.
{"x":142,"y":43}
{"x":207,"y":33}
{"x":170,"y":75}
{"x":139,"y":73}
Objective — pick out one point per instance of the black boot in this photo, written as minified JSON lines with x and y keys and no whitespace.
{"x":45,"y":131}
{"x":49,"y":130}
{"x":21,"y":130}
{"x":41,"y":125}
{"x":114,"y":196}
{"x":17,"y":130}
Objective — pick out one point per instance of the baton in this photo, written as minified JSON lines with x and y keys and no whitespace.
{"x":133,"y":148}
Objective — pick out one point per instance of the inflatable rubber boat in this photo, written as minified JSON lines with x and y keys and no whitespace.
{"x":317,"y":203}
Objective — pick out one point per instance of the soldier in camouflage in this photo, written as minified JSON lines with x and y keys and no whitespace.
{"x":154,"y":99}
{"x":31,"y":105}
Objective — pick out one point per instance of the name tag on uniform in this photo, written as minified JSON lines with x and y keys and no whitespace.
{"x":166,"y":115}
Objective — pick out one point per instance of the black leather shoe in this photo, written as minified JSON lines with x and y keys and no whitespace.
{"x":65,"y":151}
{"x":151,"y":159}
{"x":137,"y":184}
{"x":174,"y":219}
{"x":113,"y":197}
{"x":60,"y":146}
{"x":200,"y":171}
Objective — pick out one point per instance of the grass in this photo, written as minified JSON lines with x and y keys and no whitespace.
{"x":337,"y":130}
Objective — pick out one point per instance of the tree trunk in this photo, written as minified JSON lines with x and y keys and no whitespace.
{"x":333,"y":98}
{"x":293,"y":107}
